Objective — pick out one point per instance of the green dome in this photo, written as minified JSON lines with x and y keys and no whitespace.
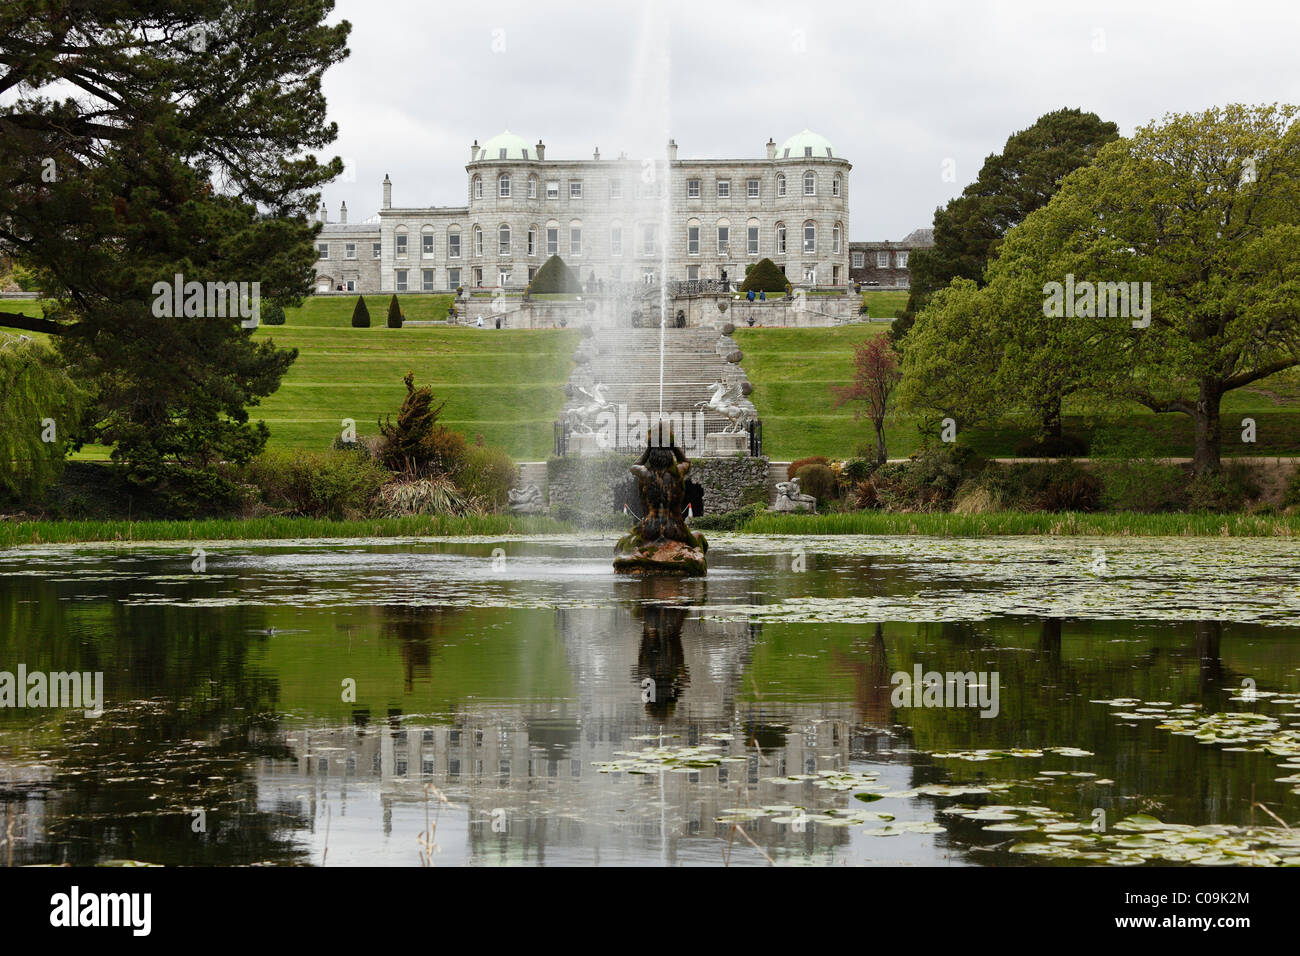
{"x":799,"y":145}
{"x":515,"y":147}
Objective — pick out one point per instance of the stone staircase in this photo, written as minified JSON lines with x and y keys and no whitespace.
{"x":626,"y":362}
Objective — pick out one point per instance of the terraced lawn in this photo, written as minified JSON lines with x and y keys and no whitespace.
{"x":504,"y":385}
{"x":792,"y":371}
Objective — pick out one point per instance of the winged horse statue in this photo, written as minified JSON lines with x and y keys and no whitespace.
{"x":580,"y":416}
{"x":726,"y":400}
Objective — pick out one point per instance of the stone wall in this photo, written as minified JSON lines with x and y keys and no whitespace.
{"x":729,"y":483}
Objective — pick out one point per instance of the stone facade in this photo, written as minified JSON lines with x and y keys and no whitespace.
{"x":884,"y":265}
{"x":605,"y":217}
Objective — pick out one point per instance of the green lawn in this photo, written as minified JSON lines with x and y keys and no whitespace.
{"x":504,"y":385}
{"x":884,"y":303}
{"x":792,"y":371}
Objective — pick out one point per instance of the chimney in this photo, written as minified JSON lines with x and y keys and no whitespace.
{"x":672,"y":151}
{"x":771,"y":148}
{"x":388,"y":192}
{"x":541,"y":151}
{"x":343,"y":213}
{"x":473,"y":151}
{"x":324,"y":213}
{"x":596,"y":156}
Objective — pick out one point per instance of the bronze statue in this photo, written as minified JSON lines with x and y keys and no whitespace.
{"x":661,"y":543}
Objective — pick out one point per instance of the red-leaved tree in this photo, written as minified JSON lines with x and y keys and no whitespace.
{"x":875,"y":376}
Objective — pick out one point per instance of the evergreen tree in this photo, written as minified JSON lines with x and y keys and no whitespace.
{"x":360,"y":314}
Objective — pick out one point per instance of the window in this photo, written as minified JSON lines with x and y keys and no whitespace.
{"x":810,"y":237}
{"x":807,"y":151}
{"x":349,"y":250}
{"x":552,"y":240}
{"x":322,"y":250}
{"x":478,"y":277}
{"x":426,"y":280}
{"x":553,"y":189}
{"x":616,"y":239}
{"x":649,"y":238}
{"x":453,"y":277}
{"x":453,"y":244}
{"x":835,"y":239}
{"x":478,"y":241}
{"x":503,"y":185}
{"x":751,"y":239}
{"x":835,"y":275}
{"x":532,"y":272}
{"x":503,"y":240}
{"x":532,"y":240}
{"x":503,"y":276}
{"x":693,"y":239}
{"x":810,"y":183}
{"x":835,"y":185}
{"x":426,"y":247}
{"x":724,"y":237}
{"x":401,"y":280}
{"x":575,"y":189}
{"x":900,"y":260}
{"x":693,"y":273}
{"x":780,"y":238}
{"x":616,"y":189}
{"x":780,"y":184}
{"x":501,"y":153}
{"x":478,"y":188}
{"x":376,"y":250}
{"x":882,"y":260}
{"x":532,"y":187}
{"x":751,"y":188}
{"x":858,"y":262}
{"x":401,"y":244}
{"x":724,"y":188}
{"x":575,"y":238}
{"x":692,"y":189}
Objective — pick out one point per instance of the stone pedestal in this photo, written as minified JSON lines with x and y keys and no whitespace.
{"x":720,"y":445}
{"x":586,"y":446}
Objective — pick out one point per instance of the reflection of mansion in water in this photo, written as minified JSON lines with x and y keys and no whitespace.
{"x":534,"y":762}
{"x":604,"y":218}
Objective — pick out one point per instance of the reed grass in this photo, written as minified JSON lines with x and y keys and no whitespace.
{"x":15,"y":533}
{"x":949,"y":525}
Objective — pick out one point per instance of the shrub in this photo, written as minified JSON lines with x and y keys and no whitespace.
{"x":818,"y":481}
{"x":800,"y":462}
{"x":360,"y":314}
{"x":764,"y":277}
{"x":1143,"y":485}
{"x":1291,"y":496}
{"x":395,"y":317}
{"x":417,"y":443}
{"x":728,"y":520}
{"x":857,"y":470}
{"x":328,"y":484}
{"x":198,"y":492}
{"x":486,"y":473}
{"x":555,"y":276}
{"x":926,"y":482}
{"x":424,"y":496}
{"x":1229,"y":490}
{"x":272,"y":314}
{"x":864,"y":495}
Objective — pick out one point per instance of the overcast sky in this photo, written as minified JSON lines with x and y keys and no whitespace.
{"x":898,"y":87}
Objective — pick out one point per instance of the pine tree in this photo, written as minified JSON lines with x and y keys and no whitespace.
{"x":360,"y":314}
{"x":395,"y":316}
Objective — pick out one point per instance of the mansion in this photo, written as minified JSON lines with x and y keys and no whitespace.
{"x":608,"y":219}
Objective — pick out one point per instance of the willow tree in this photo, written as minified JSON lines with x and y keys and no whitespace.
{"x":39,"y":407}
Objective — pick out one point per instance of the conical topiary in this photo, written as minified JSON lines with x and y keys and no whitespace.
{"x":765,"y":277}
{"x":360,"y":314}
{"x":555,"y":276}
{"x":394,"y":313}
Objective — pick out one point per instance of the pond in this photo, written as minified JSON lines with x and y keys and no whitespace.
{"x":861,"y":700}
